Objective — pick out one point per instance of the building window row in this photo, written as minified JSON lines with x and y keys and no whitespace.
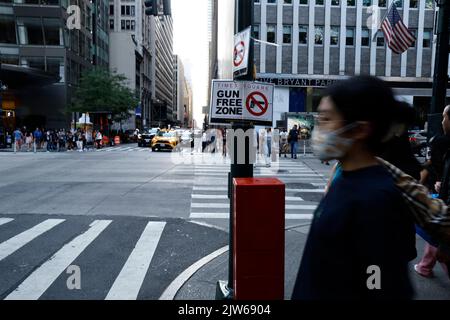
{"x":127,"y":11}
{"x":352,"y":3}
{"x":31,"y":31}
{"x":127,"y":24}
{"x":319,"y":34}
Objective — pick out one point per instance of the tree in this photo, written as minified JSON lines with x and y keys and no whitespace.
{"x":103,"y":91}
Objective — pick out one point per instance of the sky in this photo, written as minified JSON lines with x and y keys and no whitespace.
{"x":190,"y":19}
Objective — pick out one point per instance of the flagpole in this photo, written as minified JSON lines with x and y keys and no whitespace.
{"x":381,"y":21}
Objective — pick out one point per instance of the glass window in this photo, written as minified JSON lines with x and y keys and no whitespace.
{"x":257,"y":1}
{"x":427,"y":39}
{"x":127,"y":10}
{"x":271,"y":33}
{"x":111,"y":24}
{"x":382,"y":3}
{"x":287,"y":1}
{"x":335,"y":2}
{"x":318,"y":39}
{"x":414,"y":4}
{"x":111,"y":9}
{"x":350,"y":3}
{"x":9,"y":59}
{"x":429,"y":4}
{"x":367,"y":3}
{"x":380,"y":39}
{"x":6,"y":1}
{"x":133,"y":24}
{"x":303,"y":35}
{"x":122,"y":24}
{"x":128,"y":25}
{"x":414,"y":32}
{"x":55,"y":66}
{"x":334,"y":36}
{"x":53,"y":32}
{"x":122,"y":10}
{"x":30,"y":31}
{"x":350,"y":37}
{"x":319,"y":2}
{"x":8,"y":27}
{"x":365,"y":37}
{"x":271,"y":1}
{"x":33,"y":62}
{"x":287,"y":34}
{"x":256,"y":31}
{"x":132,"y":11}
{"x":303,"y":1}
{"x":398,"y":3}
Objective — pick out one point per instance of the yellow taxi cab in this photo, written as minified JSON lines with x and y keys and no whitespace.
{"x":165,"y":140}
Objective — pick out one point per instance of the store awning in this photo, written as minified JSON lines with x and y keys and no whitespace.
{"x":19,"y":77}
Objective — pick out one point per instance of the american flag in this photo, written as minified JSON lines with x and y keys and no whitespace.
{"x":397,"y":35}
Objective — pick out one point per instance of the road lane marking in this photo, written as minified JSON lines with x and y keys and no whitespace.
{"x":42,"y":278}
{"x":15,"y":243}
{"x":129,"y":282}
{"x":5,"y":220}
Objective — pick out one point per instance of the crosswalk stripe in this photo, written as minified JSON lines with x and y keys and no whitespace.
{"x":41,"y":279}
{"x":210,"y":205}
{"x":225,"y":188}
{"x":15,"y":243}
{"x":226,"y":215}
{"x":128,"y":283}
{"x":225,"y":197}
{"x":5,"y":220}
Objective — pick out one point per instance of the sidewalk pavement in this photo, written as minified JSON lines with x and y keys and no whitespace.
{"x":202,"y":285}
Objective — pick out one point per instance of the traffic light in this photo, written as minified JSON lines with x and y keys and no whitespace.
{"x":167,"y":7}
{"x":151,"y":7}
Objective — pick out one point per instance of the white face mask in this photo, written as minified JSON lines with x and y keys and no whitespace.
{"x":329,"y":145}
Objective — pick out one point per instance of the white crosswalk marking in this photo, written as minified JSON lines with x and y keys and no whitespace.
{"x":129,"y":281}
{"x":42,"y":278}
{"x":5,"y":220}
{"x":210,"y":189}
{"x":10,"y":246}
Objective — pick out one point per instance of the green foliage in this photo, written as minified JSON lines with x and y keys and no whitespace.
{"x":103,"y":91}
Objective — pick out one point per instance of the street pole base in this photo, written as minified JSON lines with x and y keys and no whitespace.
{"x":223,"y":292}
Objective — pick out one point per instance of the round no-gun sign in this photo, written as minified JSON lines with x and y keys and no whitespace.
{"x":239,"y":54}
{"x":257,"y":104}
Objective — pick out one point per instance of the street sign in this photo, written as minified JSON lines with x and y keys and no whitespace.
{"x":241,"y":51}
{"x":241,"y":101}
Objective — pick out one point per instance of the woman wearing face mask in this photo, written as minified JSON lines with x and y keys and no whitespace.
{"x":362,"y":235}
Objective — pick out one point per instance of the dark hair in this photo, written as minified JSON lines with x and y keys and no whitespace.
{"x":365,"y":98}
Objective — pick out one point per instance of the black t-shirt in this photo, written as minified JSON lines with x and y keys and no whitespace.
{"x":361,"y":222}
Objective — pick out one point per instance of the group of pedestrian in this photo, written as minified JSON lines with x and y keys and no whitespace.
{"x":53,"y":140}
{"x":363,"y":233}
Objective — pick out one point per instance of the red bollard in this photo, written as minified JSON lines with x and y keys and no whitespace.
{"x":258,"y":239}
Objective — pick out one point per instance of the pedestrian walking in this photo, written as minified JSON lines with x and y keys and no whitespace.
{"x":37,"y":138}
{"x":293,"y":141}
{"x":18,"y":136}
{"x":98,"y":139}
{"x":29,"y":140}
{"x":362,"y":222}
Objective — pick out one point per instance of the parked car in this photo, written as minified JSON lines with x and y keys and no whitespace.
{"x":130,"y":136}
{"x":419,"y":144}
{"x":165,"y":140}
{"x":145,"y":138}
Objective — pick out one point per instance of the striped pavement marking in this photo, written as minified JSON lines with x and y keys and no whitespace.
{"x":226,"y":215}
{"x":128,"y":283}
{"x":5,"y":220}
{"x":15,"y":243}
{"x":42,"y":278}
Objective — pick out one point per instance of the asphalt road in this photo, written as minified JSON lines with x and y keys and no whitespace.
{"x":132,"y":221}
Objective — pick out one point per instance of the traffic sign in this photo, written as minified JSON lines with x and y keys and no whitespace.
{"x":257,"y":104}
{"x":241,"y":50}
{"x":241,"y":101}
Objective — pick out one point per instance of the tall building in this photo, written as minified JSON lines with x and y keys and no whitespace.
{"x":308,"y":44}
{"x":131,"y":54}
{"x":42,"y":60}
{"x":162,"y":70}
{"x":213,"y":6}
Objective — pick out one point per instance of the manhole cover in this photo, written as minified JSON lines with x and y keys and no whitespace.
{"x":312,"y":197}
{"x":300,"y":186}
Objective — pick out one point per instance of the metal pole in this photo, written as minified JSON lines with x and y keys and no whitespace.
{"x":440,"y":81}
{"x":244,"y":19}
